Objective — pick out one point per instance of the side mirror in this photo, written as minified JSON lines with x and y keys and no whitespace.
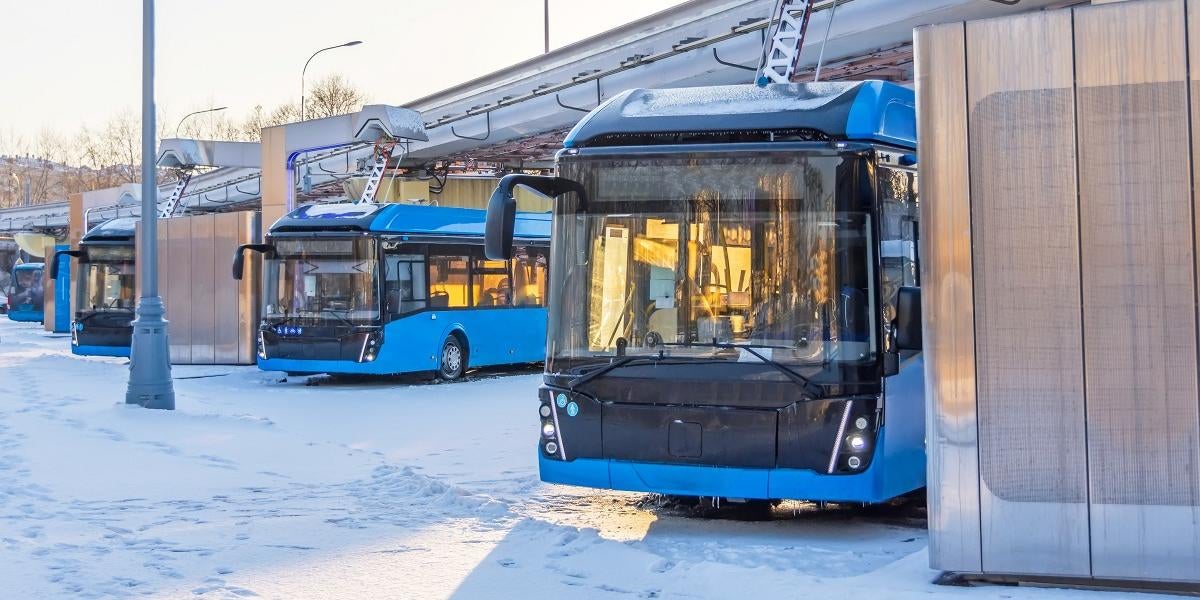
{"x":239,"y":257}
{"x":501,"y":220}
{"x":54,"y":263}
{"x":908,"y":318}
{"x":502,"y":209}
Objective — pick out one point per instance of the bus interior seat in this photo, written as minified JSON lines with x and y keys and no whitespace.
{"x":528,"y":296}
{"x":439,"y":299}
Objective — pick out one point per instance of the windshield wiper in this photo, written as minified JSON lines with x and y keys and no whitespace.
{"x":814,"y":390}
{"x":615,"y":364}
{"x":284,"y":321}
{"x":340,"y":317}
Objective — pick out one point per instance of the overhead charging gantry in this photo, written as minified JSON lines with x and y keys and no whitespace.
{"x":184,"y":156}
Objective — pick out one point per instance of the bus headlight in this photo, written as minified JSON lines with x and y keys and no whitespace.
{"x":544,"y":411}
{"x":262,"y":346}
{"x":548,"y":429}
{"x":857,"y":443}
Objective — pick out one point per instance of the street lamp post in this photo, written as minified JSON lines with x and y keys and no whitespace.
{"x":199,"y":112}
{"x":16,"y":194}
{"x":305,"y":69}
{"x":149,"y":356}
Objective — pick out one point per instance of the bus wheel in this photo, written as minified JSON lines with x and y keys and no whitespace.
{"x":454,"y":360}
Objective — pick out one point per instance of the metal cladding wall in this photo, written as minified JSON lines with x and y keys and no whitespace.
{"x":1061,"y":283}
{"x":213,"y":317}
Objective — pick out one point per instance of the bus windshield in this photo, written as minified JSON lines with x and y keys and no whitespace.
{"x":108,"y":279}
{"x":692,"y":255}
{"x":319,"y":280}
{"x":27,"y":288}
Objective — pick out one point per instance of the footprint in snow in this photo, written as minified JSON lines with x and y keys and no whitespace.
{"x":507,"y":563}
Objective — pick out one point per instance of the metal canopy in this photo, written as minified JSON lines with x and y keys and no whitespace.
{"x":186,"y":153}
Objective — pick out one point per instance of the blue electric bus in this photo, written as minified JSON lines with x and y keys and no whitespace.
{"x":734,"y":305}
{"x":384,"y":289}
{"x":26,"y":294}
{"x":105,"y":290}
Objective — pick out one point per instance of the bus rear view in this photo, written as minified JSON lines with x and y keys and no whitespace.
{"x":731,"y":267}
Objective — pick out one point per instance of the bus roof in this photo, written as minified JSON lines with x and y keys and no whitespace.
{"x":415,"y":219}
{"x":867,"y":111}
{"x":120,"y":228}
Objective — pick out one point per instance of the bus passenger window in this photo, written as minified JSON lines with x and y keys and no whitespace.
{"x":529,"y":276}
{"x":490,"y":284}
{"x":404,"y":285}
{"x":448,"y":282}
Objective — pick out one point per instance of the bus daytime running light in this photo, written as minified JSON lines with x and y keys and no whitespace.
{"x":854,"y":462}
{"x":551,"y":448}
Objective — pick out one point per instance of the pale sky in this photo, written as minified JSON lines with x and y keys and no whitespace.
{"x":72,"y":62}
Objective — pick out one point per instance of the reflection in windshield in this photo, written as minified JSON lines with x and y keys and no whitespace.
{"x":27,"y":291}
{"x":686,"y":256}
{"x":322,"y":280}
{"x":109,"y":278}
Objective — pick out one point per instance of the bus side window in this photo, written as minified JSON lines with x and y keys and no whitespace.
{"x":404,"y":284}
{"x":529,"y":276}
{"x":448,"y":278}
{"x":899,"y":230}
{"x":490,"y":283}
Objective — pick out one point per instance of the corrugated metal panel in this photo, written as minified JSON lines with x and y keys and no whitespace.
{"x":175,"y":283}
{"x":202,"y":293}
{"x":1139,"y":289}
{"x":249,"y":290}
{"x":225,"y":297}
{"x":1032,"y":446}
{"x":949,"y":333}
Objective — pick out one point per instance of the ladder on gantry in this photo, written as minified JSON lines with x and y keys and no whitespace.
{"x":380,"y":156}
{"x":781,"y":55}
{"x":175,"y":200}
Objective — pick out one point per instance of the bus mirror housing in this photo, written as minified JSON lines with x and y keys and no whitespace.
{"x":501,"y":219}
{"x":239,"y":257}
{"x":54,"y":263}
{"x":908,"y":318}
{"x":502,"y":209}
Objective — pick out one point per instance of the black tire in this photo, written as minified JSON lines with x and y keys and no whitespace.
{"x":452,"y":363}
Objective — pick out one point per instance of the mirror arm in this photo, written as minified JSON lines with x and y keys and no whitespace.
{"x":239,"y":256}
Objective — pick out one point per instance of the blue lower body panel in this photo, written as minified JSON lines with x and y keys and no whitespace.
{"x":870,"y":486}
{"x":413,"y":344}
{"x":100,"y":350}
{"x":26,"y":316}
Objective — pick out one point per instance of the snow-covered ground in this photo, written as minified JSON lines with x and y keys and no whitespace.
{"x":259,"y":487}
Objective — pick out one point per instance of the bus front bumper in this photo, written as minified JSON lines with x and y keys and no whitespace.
{"x":120,"y":351}
{"x":725,"y":482}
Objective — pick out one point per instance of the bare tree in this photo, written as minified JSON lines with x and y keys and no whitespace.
{"x":333,"y":96}
{"x":57,"y":164}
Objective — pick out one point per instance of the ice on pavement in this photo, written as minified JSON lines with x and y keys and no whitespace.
{"x":256,"y":487}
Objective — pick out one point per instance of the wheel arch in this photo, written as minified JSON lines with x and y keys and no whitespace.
{"x":457,"y":330}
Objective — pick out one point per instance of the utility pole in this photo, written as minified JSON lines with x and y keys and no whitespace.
{"x":546,"y":13}
{"x":150,"y":383}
